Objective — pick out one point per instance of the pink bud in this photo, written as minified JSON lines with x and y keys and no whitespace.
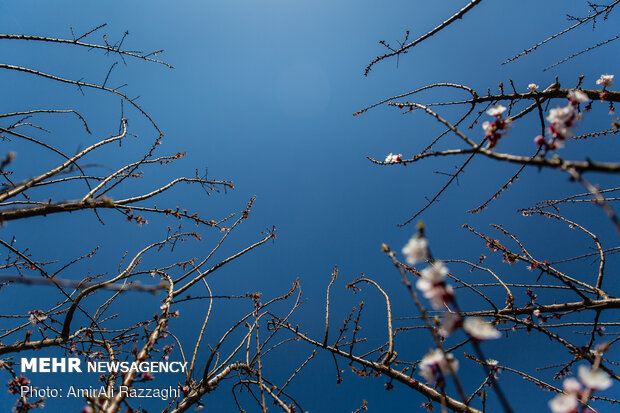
{"x":539,"y":140}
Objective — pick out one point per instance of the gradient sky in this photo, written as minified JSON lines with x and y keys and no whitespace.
{"x":263,"y":94}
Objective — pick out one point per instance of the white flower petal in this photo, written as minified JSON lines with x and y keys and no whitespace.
{"x":424,"y":285}
{"x":563,"y":403}
{"x":392,"y":158}
{"x":416,"y":250}
{"x":486,"y":127}
{"x":578,"y":96}
{"x":605,"y":80}
{"x":571,"y":385}
{"x":435,"y":360}
{"x":436,"y":272}
{"x":594,"y":379}
{"x":480,"y":329}
{"x":496,"y":110}
{"x":561,"y":114}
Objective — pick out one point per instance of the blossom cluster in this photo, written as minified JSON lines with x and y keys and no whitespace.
{"x":392,"y":158}
{"x":563,"y":119}
{"x":432,"y":284}
{"x":498,"y":128}
{"x":592,"y":380}
{"x":432,"y":278}
{"x":36,"y":316}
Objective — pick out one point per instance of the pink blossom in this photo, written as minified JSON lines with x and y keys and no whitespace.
{"x":605,"y":80}
{"x":533,"y":87}
{"x":499,"y":127}
{"x":539,"y":140}
{"x":562,"y":119}
{"x":488,"y":128}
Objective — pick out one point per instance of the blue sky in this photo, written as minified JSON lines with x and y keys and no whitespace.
{"x":263,"y":94}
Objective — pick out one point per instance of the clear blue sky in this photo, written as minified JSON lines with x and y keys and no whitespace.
{"x":263,"y":94}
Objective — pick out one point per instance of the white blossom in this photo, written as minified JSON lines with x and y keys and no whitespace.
{"x":480,"y":329}
{"x":392,"y":158}
{"x":539,"y":140}
{"x":564,"y":132}
{"x":432,"y":286}
{"x":37,"y":316}
{"x":416,"y":250}
{"x":563,"y":403}
{"x":496,"y":110}
{"x":498,"y":128}
{"x":594,"y":379}
{"x":561,"y":114}
{"x":562,"y":119}
{"x":451,"y":321}
{"x":605,"y":80}
{"x":434,"y":362}
{"x":435,"y":273}
{"x":578,"y":96}
{"x":487,"y":127}
{"x":533,"y":87}
{"x":437,"y":294}
{"x":571,"y":385}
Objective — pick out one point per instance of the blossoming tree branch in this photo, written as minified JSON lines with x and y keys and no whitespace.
{"x":557,"y":301}
{"x":459,"y":307}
